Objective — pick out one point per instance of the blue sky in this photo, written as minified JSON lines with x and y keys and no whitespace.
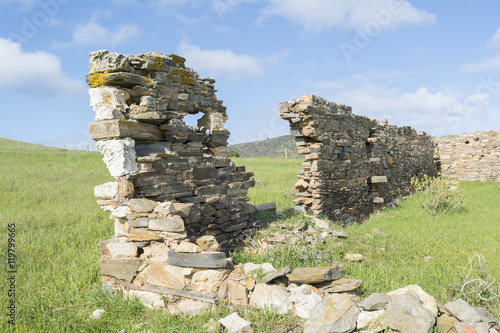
{"x":433,"y":65}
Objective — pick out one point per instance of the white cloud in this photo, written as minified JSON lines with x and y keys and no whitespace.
{"x":317,"y":15}
{"x":438,"y":113}
{"x":96,"y":35}
{"x":217,"y":62}
{"x":495,"y":39}
{"x":487,"y":64}
{"x":36,"y":73}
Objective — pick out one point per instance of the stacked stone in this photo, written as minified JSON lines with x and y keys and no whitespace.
{"x":354,"y":164}
{"x":470,"y":156}
{"x":174,"y":183}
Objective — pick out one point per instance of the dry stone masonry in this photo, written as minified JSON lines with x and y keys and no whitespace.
{"x":354,"y":164}
{"x":470,"y":156}
{"x":178,"y":199}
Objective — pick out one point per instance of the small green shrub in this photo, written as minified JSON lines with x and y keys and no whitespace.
{"x":232,"y":153}
{"x":438,"y":196}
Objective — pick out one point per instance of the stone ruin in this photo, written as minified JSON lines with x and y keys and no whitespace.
{"x":470,"y":156}
{"x":354,"y":165}
{"x":178,"y":201}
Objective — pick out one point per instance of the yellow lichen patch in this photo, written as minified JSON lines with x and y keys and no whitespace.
{"x":158,"y":64}
{"x":186,"y":73}
{"x":186,"y":80}
{"x":97,"y":80}
{"x":178,"y":59}
{"x":306,"y":98}
{"x":175,"y":71}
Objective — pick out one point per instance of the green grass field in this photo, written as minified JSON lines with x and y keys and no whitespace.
{"x":48,"y":195}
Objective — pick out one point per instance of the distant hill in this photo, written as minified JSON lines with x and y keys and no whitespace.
{"x":8,"y":143}
{"x":274,"y":147}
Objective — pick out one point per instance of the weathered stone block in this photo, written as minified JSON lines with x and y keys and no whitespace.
{"x":111,"y":129}
{"x":120,"y":269}
{"x":200,"y":260}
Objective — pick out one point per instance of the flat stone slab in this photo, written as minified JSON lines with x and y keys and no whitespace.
{"x":340,"y":285}
{"x":106,"y":129}
{"x":199,"y":260}
{"x":120,"y":269}
{"x":311,"y":275}
{"x":181,"y":293}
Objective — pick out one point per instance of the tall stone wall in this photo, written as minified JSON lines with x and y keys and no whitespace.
{"x":470,"y":156}
{"x":176,"y":191}
{"x":354,"y":164}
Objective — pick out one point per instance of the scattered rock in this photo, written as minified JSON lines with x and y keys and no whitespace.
{"x":97,"y":314}
{"x":272,"y":297}
{"x":353,"y":257}
{"x":188,"y":307}
{"x":335,"y":313}
{"x":472,"y":327}
{"x":338,"y":233}
{"x":378,"y":232}
{"x":149,"y":299}
{"x":238,"y":293}
{"x":486,"y":316}
{"x":428,"y":301}
{"x":446,"y":324}
{"x":463,"y":311}
{"x":312,"y":275}
{"x":339,"y":286}
{"x":235,"y":324}
{"x":299,"y":226}
{"x":304,"y":300}
{"x":406,"y":314}
{"x":274,"y":275}
{"x":322,"y":224}
{"x":187,"y":247}
{"x":375,"y":302}
{"x":372,"y":321}
{"x":266,"y":207}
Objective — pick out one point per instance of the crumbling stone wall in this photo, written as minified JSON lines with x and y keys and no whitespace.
{"x":470,"y":156}
{"x":354,"y":164}
{"x":176,"y":191}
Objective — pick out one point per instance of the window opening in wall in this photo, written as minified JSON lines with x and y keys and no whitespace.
{"x":191,"y":120}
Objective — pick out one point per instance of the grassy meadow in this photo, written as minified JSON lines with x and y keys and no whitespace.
{"x":48,"y":195}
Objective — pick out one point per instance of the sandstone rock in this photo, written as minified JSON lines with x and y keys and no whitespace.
{"x":486,"y":316}
{"x":124,"y":269}
{"x":119,"y":156}
{"x":171,"y":223}
{"x":238,"y":293}
{"x":406,"y":314}
{"x":149,"y":299}
{"x":304,"y":300}
{"x":463,"y":311}
{"x":165,"y":208}
{"x":104,"y":61}
{"x":142,"y":205}
{"x":235,"y":324}
{"x":117,"y":128}
{"x":106,"y":190}
{"x":250,"y":284}
{"x":208,"y":243}
{"x":335,"y":313}
{"x":141,"y":235}
{"x":322,"y":224}
{"x":108,"y":102}
{"x":472,"y":327}
{"x":339,"y":286}
{"x":156,"y":252}
{"x":338,"y":233}
{"x":428,"y":301}
{"x":201,"y":260}
{"x":183,"y":209}
{"x":188,"y":307}
{"x":299,"y":226}
{"x":311,"y":275}
{"x":162,"y":275}
{"x":122,"y":250}
{"x":275,"y":275}
{"x":271,"y":297}
{"x":375,"y":302}
{"x":126,"y":188}
{"x":446,"y":324}
{"x":208,"y":282}
{"x":188,"y":247}
{"x":372,"y":321}
{"x":353,"y":257}
{"x":250,"y":267}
